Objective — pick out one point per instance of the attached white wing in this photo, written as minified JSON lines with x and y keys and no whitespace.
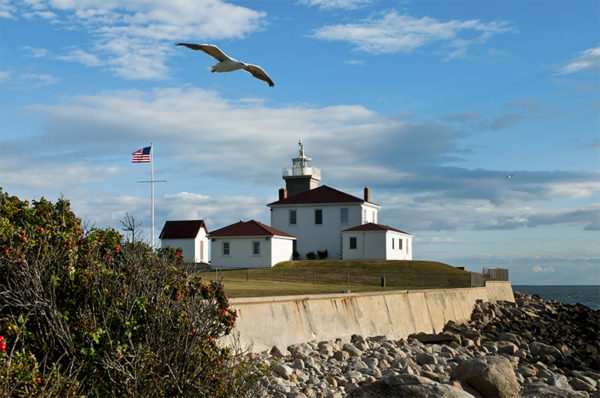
{"x":258,"y":73}
{"x":209,"y":49}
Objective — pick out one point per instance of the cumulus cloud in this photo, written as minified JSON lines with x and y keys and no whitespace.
{"x":134,"y":39}
{"x":391,"y":32}
{"x":347,"y":4}
{"x":198,"y":135}
{"x":539,"y":268}
{"x":586,"y":60}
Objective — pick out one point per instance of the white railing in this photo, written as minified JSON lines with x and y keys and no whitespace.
{"x":302,"y":171}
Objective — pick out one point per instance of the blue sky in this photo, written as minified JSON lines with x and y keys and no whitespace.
{"x":430,"y":104}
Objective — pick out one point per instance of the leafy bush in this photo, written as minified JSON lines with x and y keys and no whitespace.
{"x":295,"y":255}
{"x":322,"y":254}
{"x":87,"y":313}
{"x":310,"y":255}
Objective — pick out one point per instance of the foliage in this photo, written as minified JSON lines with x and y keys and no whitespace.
{"x":322,"y":254}
{"x":310,"y":255}
{"x":88,"y":313}
{"x":295,"y":255}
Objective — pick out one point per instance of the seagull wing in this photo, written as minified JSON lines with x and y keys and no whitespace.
{"x":258,"y":73}
{"x":209,"y":49}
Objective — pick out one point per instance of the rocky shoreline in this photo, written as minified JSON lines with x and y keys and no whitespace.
{"x":530,"y":348}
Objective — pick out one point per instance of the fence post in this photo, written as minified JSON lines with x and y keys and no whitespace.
{"x":422,"y":276}
{"x":315,"y":277}
{"x":216,"y":274}
{"x":247,"y":274}
{"x":280,"y":275}
{"x":348,"y":281}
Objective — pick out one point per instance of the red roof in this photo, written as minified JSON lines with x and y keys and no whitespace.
{"x":374,"y":227}
{"x":186,"y":229}
{"x":322,"y":194}
{"x":249,"y":228}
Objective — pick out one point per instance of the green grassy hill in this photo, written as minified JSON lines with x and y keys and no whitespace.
{"x":335,"y":276}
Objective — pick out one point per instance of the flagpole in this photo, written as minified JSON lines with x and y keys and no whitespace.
{"x":152,"y":181}
{"x":152,"y":184}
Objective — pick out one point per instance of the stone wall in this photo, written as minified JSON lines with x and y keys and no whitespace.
{"x":265,"y":322}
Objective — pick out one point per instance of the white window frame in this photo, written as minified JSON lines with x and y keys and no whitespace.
{"x":226,"y":249}
{"x":255,"y":245}
{"x":344,"y":216}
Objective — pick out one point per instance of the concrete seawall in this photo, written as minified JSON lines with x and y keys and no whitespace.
{"x":268,"y":321}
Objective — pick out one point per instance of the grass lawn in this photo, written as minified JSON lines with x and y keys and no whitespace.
{"x":335,"y":276}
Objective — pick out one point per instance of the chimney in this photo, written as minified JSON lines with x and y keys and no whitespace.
{"x":282,"y":193}
{"x":367,"y":194}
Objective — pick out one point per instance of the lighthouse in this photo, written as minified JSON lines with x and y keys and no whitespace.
{"x":302,"y":176}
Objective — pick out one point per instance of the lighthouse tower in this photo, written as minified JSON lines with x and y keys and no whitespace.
{"x":302,"y":176}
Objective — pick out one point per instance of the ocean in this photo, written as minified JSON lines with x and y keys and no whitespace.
{"x":588,"y":295}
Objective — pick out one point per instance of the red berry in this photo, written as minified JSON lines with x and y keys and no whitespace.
{"x":41,"y":229}
{"x":5,"y":252}
{"x":117,"y":248}
{"x":69,"y":243}
{"x":24,"y":239}
{"x":38,"y":380}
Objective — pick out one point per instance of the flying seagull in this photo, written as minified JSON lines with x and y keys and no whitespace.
{"x":227,"y":64}
{"x":508,"y":177}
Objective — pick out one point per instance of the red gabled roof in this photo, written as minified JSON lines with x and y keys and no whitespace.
{"x":249,"y":228}
{"x":185,"y":229}
{"x":322,"y":194}
{"x":374,"y":227}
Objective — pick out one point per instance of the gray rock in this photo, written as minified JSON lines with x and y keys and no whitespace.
{"x":538,"y":349}
{"x":545,"y":391}
{"x":408,"y":386}
{"x":492,"y":377}
{"x":298,"y":363}
{"x":581,"y":385}
{"x":351,"y":349}
{"x":283,"y":371}
{"x":276,"y":352}
{"x":425,"y":358}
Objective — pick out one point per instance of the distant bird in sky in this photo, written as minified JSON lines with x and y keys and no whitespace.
{"x":507,"y":178}
{"x":227,"y":64}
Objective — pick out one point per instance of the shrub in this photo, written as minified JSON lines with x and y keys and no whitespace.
{"x":84,"y":312}
{"x":295,"y":255}
{"x":310,"y":255}
{"x":322,"y":254}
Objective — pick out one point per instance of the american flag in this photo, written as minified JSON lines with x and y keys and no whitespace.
{"x":141,"y":155}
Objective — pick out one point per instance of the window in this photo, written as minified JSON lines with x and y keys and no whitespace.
{"x":353,"y":243}
{"x":344,"y":216}
{"x":392,"y":243}
{"x":226,"y":248}
{"x":399,"y":244}
{"x":292,"y":217}
{"x":256,"y":248}
{"x":318,"y":216}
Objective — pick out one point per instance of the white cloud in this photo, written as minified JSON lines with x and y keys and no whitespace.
{"x":36,"y":52}
{"x":586,"y":60}
{"x":347,"y":4}
{"x":5,"y":76}
{"x":538,"y":268}
{"x":134,"y":39}
{"x":199,"y":134}
{"x":7,"y":10}
{"x":36,"y":80}
{"x":391,"y":32}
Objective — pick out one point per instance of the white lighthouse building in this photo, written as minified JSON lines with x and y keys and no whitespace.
{"x":318,"y":215}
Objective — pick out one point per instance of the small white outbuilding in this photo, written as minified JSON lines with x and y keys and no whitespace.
{"x":249,"y":244}
{"x":190,"y":235}
{"x":376,"y":242}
